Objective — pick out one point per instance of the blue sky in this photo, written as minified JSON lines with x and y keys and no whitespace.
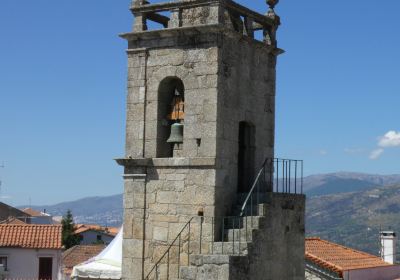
{"x":62,"y":92}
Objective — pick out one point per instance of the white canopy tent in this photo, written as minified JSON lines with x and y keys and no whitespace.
{"x":107,"y":265}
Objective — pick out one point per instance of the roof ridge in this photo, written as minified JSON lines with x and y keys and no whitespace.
{"x":31,"y":236}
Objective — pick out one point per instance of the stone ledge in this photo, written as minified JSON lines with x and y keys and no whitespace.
{"x":167,"y":162}
{"x":173,"y":32}
{"x":135,"y":176}
{"x":187,"y":31}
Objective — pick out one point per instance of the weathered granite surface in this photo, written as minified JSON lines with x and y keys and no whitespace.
{"x":228,"y":77}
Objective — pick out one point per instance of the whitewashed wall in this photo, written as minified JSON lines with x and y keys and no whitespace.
{"x":376,"y":273}
{"x":24,"y":263}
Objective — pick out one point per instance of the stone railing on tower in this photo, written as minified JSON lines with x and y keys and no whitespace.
{"x":224,"y":13}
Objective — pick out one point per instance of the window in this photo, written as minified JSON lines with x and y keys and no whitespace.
{"x":3,"y":262}
{"x":46,"y":268}
{"x":99,"y":238}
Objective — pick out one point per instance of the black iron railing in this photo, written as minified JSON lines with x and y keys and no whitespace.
{"x":288,"y":176}
{"x":276,"y":175}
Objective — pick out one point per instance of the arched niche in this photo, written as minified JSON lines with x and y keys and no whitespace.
{"x":166,"y":93}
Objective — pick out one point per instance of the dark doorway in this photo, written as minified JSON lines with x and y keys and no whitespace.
{"x":246,"y":157}
{"x":45,"y":268}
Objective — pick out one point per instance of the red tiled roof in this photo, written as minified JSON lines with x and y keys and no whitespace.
{"x":79,"y":254}
{"x":31,"y":236}
{"x":33,"y":212}
{"x":113,"y":231}
{"x":338,"y":258}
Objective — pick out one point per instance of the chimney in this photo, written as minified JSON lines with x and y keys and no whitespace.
{"x":388,"y":246}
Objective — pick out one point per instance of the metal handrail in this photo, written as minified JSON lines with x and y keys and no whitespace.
{"x":155,"y":267}
{"x":285,"y":174}
{"x":252,"y":188}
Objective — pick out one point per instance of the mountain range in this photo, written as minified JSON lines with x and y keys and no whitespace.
{"x":343,"y":182}
{"x":355,"y":218}
{"x":106,"y":211}
{"x":348,"y":208}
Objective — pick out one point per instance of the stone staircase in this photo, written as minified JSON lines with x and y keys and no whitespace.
{"x":229,"y":258}
{"x":263,"y":241}
{"x":267,"y":245}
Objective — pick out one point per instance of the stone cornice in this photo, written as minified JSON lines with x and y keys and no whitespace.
{"x":172,"y":32}
{"x":190,"y":31}
{"x":167,"y":162}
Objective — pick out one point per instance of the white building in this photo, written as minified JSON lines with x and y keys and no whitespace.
{"x":31,"y":251}
{"x":388,"y":246}
{"x":95,"y":234}
{"x":37,"y":217}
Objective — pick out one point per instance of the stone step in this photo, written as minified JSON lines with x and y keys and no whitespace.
{"x":257,"y":209}
{"x":240,"y":234}
{"x":230,"y":248}
{"x":217,"y":267}
{"x":262,"y":197}
{"x":249,"y":222}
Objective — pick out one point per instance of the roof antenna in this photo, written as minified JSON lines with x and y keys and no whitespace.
{"x":1,"y":166}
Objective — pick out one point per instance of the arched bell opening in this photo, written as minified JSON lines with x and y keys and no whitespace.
{"x":246,"y":157}
{"x":170,"y":116}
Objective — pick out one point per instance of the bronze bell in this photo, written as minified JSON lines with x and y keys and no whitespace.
{"x":176,"y":136}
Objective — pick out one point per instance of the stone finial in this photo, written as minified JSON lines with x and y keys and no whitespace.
{"x":272,"y":3}
{"x":271,"y":12}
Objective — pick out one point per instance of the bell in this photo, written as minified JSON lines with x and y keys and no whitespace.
{"x":176,"y":133}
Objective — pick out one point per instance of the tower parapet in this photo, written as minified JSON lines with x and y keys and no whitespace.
{"x":196,"y":13}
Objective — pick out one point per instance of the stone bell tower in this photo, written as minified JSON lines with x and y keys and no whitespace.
{"x":200,"y":126}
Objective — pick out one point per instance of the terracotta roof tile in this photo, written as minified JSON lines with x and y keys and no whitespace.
{"x":31,"y":236}
{"x":33,"y":213}
{"x":79,"y":254}
{"x":80,"y":228}
{"x":338,"y":258}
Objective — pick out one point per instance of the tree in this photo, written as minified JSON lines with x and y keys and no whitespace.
{"x":69,"y":239}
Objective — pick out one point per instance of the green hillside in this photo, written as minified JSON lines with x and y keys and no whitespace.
{"x":355,"y":219}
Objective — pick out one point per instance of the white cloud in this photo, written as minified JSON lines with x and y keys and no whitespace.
{"x":323,"y":152}
{"x":390,"y":139}
{"x":375,"y":154}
